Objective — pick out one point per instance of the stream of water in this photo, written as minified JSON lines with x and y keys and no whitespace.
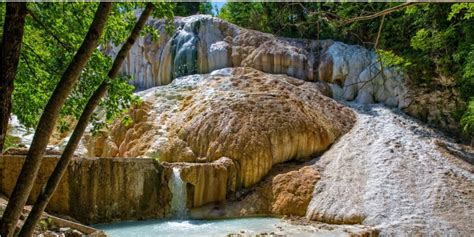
{"x":179,"y":195}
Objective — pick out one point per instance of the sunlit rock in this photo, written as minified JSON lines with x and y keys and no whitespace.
{"x":255,"y":119}
{"x":95,"y":190}
{"x":285,"y":191}
{"x":390,"y":172}
{"x":201,"y":44}
{"x":357,"y":74}
{"x":209,"y":182}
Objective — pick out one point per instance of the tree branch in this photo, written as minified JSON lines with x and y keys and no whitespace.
{"x":49,"y":67}
{"x":378,"y":33}
{"x":378,"y":14}
{"x":37,"y":20}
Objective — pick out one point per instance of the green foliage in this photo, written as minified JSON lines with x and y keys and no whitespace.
{"x":3,"y":11}
{"x":53,"y":33}
{"x":465,"y":9}
{"x":192,"y":8}
{"x":389,"y":58}
{"x":246,"y":14}
{"x":466,"y":81}
{"x":45,"y":223}
{"x":11,"y":142}
{"x":425,"y":40}
{"x":467,"y":120}
{"x":205,"y":8}
{"x":164,"y":10}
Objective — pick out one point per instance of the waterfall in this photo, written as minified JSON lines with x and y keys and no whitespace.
{"x":178,"y":190}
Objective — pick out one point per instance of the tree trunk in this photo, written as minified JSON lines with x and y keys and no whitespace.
{"x":61,"y":167}
{"x":47,"y":122}
{"x":13,"y":28}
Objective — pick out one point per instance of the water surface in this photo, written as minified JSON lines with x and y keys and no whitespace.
{"x":186,"y":228}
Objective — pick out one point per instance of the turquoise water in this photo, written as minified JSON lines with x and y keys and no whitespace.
{"x":186,"y":228}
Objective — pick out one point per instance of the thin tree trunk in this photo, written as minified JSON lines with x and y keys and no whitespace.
{"x":13,"y":29}
{"x":48,"y":120}
{"x":61,"y":167}
{"x":377,"y":40}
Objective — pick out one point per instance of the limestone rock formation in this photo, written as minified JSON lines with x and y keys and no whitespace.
{"x":390,"y":173}
{"x":256,"y":119}
{"x":292,"y":191}
{"x":285,"y":191}
{"x":355,"y":73}
{"x":97,"y":190}
{"x":210,"y":182}
{"x":202,"y":44}
{"x":437,"y":103}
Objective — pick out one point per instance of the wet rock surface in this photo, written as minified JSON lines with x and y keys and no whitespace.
{"x":256,"y":119}
{"x":207,"y":182}
{"x":285,"y":191}
{"x":202,"y":44}
{"x":390,"y":172}
{"x":97,"y":190}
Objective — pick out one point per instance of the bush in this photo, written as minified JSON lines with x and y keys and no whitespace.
{"x":11,"y":142}
{"x":467,"y":120}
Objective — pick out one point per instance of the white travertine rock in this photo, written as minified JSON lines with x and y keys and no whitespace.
{"x":358,"y":71}
{"x":391,"y":172}
{"x":202,"y":44}
{"x":254,"y":118}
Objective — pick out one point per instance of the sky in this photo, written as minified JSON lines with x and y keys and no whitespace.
{"x":217,"y":4}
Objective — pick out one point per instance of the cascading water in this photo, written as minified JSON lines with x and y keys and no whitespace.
{"x":178,"y":191}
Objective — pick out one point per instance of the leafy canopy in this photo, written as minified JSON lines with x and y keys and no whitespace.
{"x":53,"y":33}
